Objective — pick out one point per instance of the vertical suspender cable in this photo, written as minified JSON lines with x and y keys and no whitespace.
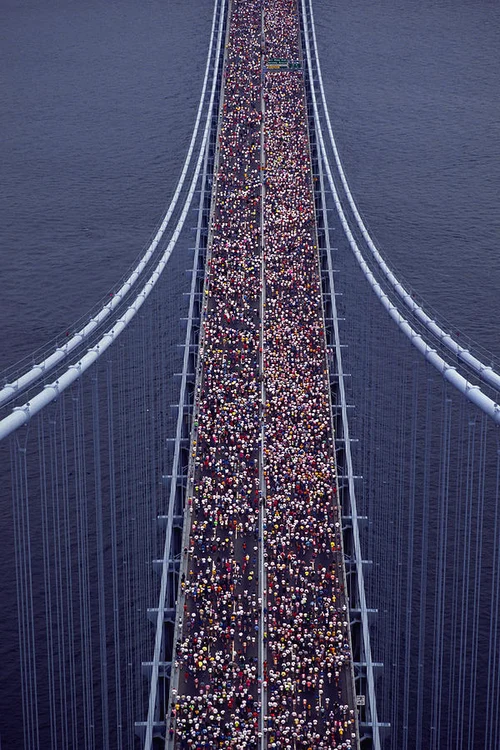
{"x":103,"y":652}
{"x":117,"y":605}
{"x":492,"y":738}
{"x":441,"y":575}
{"x":424,"y":552}
{"x":480,"y":463}
{"x":153,"y":697}
{"x":408,"y":668}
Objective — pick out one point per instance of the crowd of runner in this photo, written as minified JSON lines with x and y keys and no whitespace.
{"x":307,"y":628}
{"x":217,"y":701}
{"x":259,"y":340}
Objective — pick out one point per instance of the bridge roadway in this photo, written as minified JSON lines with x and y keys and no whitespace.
{"x":262,"y":654}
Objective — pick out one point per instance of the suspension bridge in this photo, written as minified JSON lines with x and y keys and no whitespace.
{"x":177,"y":584}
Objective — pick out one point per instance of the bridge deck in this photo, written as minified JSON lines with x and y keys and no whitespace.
{"x":263,"y":654}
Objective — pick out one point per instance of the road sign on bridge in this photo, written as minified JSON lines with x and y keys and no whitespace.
{"x":278,"y":64}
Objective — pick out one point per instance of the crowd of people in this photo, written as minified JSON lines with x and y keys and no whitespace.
{"x":264,"y":485}
{"x":310,"y":689}
{"x":217,"y":704}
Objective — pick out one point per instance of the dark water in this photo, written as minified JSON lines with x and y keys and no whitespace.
{"x":98,"y":101}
